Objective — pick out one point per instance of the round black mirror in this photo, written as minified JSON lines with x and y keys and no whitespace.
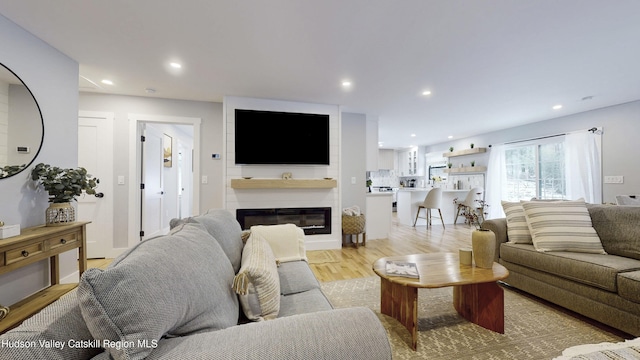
{"x":21,"y":124}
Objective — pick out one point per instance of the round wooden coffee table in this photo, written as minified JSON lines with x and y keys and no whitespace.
{"x":476,"y":295}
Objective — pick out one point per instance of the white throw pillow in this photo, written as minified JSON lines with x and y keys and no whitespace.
{"x":258,"y":282}
{"x":562,"y":226}
{"x":517,"y":227}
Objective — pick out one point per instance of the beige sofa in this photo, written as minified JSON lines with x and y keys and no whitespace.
{"x":605,"y":288}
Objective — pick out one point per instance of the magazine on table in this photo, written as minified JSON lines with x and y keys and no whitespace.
{"x":401,"y":268}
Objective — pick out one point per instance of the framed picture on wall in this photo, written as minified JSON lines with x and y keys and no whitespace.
{"x":167,"y":146}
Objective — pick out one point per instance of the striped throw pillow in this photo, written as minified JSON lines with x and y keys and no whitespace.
{"x":517,"y":227}
{"x":257,"y":283}
{"x":562,"y":226}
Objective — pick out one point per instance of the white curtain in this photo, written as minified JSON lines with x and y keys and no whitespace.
{"x":496,"y":177}
{"x":583,"y":166}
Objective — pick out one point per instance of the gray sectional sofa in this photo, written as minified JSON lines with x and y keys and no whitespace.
{"x":605,"y":288}
{"x":171,"y":297}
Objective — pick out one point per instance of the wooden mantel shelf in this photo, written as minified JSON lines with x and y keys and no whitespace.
{"x":283,"y":184}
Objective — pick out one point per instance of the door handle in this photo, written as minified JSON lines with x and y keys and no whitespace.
{"x":99,"y":195}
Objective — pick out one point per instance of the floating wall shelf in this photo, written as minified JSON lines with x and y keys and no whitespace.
{"x":464,"y":152}
{"x":283,"y":184}
{"x":468,"y":169}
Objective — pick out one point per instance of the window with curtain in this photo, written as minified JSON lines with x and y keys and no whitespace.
{"x":556,"y":167}
{"x":535,"y":170}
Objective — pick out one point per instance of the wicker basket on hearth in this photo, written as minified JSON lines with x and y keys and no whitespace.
{"x":353,"y":224}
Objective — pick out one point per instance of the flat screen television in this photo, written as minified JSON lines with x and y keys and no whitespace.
{"x":272,"y":137}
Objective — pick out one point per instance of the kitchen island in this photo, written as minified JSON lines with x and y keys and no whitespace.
{"x":410,"y":198}
{"x":378,"y":215}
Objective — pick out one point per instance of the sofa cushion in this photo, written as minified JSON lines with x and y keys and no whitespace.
{"x":562,"y":226}
{"x":295,"y":277}
{"x":517,"y":228}
{"x":224,"y":227}
{"x":61,"y":321}
{"x":629,"y":286}
{"x":171,"y":285}
{"x":303,"y":302}
{"x":286,"y":241}
{"x":618,"y":228}
{"x":257,"y":282}
{"x":591,"y":269}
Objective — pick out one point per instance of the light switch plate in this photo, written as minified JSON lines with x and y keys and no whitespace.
{"x":614,"y":179}
{"x":120,"y":180}
{"x":205,"y":179}
{"x":353,"y":180}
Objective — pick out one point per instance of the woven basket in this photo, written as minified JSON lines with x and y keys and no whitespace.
{"x":352,"y":225}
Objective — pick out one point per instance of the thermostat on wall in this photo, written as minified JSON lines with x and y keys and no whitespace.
{"x":24,"y":149}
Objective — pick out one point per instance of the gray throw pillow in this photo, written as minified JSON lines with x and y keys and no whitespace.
{"x":171,"y":285}
{"x":224,"y":227}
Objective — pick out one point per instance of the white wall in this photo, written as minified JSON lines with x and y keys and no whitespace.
{"x":354,"y":160}
{"x":53,"y":79}
{"x":266,"y":198}
{"x":621,"y":131}
{"x":211,"y":141}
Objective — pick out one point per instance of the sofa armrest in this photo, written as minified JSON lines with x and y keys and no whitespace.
{"x":353,"y":333}
{"x":499,"y":227}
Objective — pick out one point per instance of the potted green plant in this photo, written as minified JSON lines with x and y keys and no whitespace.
{"x":473,"y":163}
{"x":63,"y":186}
{"x":369,"y":183}
{"x":451,"y":149}
{"x":471,"y":145}
{"x":449,"y":165}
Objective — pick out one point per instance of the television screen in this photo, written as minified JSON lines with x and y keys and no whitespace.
{"x":270,"y":137}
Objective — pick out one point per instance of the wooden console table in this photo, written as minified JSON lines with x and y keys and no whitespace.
{"x":36,"y":244}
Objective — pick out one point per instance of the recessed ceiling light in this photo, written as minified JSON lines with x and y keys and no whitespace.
{"x":556,"y":107}
{"x":426,"y":92}
{"x":587,"y":98}
{"x":107,"y":82}
{"x":175,"y":65}
{"x":150,"y":90}
{"x":413,"y":135}
{"x":346,"y":83}
{"x":450,"y":137}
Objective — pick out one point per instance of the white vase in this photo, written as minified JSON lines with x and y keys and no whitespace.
{"x":60,"y":214}
{"x":483,"y":243}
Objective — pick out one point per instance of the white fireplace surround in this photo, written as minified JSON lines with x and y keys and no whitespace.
{"x":285,"y":198}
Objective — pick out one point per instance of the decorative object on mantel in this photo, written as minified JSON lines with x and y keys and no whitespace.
{"x":286,"y":176}
{"x":451,"y":149}
{"x":369,"y":183}
{"x":471,"y":146}
{"x":473,"y":163}
{"x":4,"y":311}
{"x":449,"y":165}
{"x":63,"y":186}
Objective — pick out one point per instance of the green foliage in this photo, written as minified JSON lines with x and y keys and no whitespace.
{"x":10,"y":170}
{"x":64,"y":185}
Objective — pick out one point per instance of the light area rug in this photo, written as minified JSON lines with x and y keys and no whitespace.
{"x":533,"y":330}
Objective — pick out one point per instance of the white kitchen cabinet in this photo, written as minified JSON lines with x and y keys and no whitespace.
{"x":386,"y":159}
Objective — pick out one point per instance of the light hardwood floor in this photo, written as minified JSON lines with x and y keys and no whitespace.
{"x":350,"y":263}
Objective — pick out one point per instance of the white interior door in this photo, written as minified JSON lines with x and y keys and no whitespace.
{"x":153,"y":193}
{"x":95,"y":153}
